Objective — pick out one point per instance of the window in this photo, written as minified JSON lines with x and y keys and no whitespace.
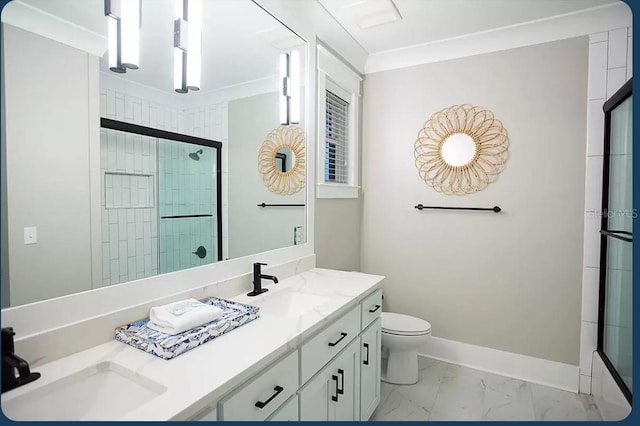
{"x":338,"y":115}
{"x":336,"y":146}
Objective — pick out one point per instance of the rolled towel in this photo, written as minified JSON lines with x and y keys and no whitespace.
{"x":181,"y":316}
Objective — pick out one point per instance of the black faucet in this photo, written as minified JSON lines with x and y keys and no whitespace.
{"x":257,"y":280}
{"x":12,"y":362}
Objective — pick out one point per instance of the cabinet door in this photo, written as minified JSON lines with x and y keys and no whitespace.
{"x":334,"y":392}
{"x":370,"y":370}
{"x":348,"y":371}
{"x":288,"y":412}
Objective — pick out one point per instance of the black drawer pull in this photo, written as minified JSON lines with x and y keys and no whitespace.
{"x":341,"y":373}
{"x":335,"y":397}
{"x":339,"y":340}
{"x":374,"y":309}
{"x":261,"y":404}
{"x":366,"y":361}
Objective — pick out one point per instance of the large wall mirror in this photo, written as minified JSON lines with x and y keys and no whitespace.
{"x":110,"y":177}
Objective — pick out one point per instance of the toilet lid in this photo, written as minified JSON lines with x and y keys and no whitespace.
{"x":404,"y":324}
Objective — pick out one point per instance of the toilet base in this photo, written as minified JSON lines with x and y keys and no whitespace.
{"x":402,"y":368}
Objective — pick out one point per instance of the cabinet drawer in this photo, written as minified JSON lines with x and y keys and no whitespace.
{"x":270,"y":389}
{"x":371,"y":308}
{"x":316,"y":352}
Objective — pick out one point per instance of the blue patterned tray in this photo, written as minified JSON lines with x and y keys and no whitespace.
{"x":166,"y":346}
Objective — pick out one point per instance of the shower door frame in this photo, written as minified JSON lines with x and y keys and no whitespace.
{"x":107,"y":123}
{"x":618,"y":98}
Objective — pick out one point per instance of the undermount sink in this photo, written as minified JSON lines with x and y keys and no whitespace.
{"x":288,"y":303}
{"x":100,"y":392}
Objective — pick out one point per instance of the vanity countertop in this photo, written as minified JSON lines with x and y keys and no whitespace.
{"x":199,"y":377}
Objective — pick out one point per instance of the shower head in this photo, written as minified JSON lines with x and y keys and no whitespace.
{"x":195,"y":155}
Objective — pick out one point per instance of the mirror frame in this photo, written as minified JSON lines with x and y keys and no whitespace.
{"x":492,"y":144}
{"x":293,"y":180}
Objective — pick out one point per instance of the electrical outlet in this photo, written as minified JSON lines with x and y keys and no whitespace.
{"x":297,"y":235}
{"x":31,"y":235}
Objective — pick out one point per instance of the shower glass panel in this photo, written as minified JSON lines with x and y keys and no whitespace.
{"x":615,"y":323}
{"x":160,"y":201}
{"x":187,"y":205}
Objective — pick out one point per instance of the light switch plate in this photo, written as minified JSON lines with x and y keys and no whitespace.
{"x":30,"y":235}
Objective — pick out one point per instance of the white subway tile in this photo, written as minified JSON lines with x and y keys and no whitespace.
{"x":588,"y":342}
{"x":115,"y":270}
{"x":103,"y":104}
{"x":590,"y":294}
{"x":595,"y":123}
{"x":597,"y":70}
{"x":106,"y":260}
{"x":144,"y":110}
{"x":128,"y":108}
{"x":147,"y":264}
{"x":122,"y":257}
{"x":139,"y":255}
{"x":111,"y":103}
{"x":137,"y":112}
{"x":615,"y":79}
{"x":592,"y":224}
{"x":593,"y":186}
{"x":131,"y":268}
{"x":119,"y":107}
{"x":617,"y":52}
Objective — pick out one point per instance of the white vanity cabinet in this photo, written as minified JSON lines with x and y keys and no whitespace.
{"x":333,"y":375}
{"x":262,"y":396}
{"x":370,"y":345}
{"x":334,"y":393}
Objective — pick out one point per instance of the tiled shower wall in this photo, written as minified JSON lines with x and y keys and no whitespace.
{"x":610,"y":66}
{"x":131,"y":246}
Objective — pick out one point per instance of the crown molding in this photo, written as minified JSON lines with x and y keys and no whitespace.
{"x":559,"y":27}
{"x":39,"y":22}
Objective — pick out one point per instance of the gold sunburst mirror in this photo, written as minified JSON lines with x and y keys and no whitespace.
{"x":461,"y":149}
{"x":281,"y":160}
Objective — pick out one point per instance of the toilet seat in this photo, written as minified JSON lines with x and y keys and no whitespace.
{"x":404,"y":325}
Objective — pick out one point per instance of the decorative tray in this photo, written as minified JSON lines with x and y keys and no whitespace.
{"x":166,"y":346}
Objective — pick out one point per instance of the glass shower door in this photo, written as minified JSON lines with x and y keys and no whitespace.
{"x":615,"y":341}
{"x":187,"y":205}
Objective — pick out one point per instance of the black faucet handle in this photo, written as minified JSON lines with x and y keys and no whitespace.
{"x":259,"y":263}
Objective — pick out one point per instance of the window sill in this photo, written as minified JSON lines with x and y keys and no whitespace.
{"x":328,"y":190}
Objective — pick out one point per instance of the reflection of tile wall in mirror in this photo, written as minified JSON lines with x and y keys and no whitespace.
{"x":129,"y":190}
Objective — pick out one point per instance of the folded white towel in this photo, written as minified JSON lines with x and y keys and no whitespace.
{"x":181,"y":316}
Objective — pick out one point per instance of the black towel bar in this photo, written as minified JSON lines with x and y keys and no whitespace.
{"x":494,"y":209}
{"x":280,"y":205}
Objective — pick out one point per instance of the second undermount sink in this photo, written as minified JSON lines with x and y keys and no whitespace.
{"x":290,"y":303}
{"x":105,"y":391}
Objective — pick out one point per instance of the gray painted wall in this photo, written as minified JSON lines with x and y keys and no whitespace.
{"x":337,"y":233}
{"x":510,"y":281}
{"x":255,"y":229}
{"x":47,"y":123}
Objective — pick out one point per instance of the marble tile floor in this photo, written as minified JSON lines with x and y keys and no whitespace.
{"x":451,"y":392}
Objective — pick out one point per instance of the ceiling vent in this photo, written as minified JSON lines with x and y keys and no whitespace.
{"x":371,"y":13}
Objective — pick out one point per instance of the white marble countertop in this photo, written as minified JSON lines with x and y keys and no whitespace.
{"x":198,"y":378}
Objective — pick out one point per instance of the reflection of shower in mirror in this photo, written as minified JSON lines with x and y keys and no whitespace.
{"x":196,"y":155}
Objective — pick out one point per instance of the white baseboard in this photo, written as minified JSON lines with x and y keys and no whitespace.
{"x":523,"y":367}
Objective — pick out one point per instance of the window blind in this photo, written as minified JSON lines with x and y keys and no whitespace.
{"x":336,"y":156}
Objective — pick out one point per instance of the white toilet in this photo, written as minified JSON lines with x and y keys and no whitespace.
{"x":402,"y":335}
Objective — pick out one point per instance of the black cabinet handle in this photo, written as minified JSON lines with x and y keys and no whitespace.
{"x":366,"y":361}
{"x":335,"y":398}
{"x":341,"y":373}
{"x":374,"y":309}
{"x":339,"y":340}
{"x":261,"y":404}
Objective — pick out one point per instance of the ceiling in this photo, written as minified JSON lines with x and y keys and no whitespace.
{"x":240,"y":45}
{"x":427,"y":21}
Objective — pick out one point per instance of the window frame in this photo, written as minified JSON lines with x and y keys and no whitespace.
{"x":338,"y":78}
